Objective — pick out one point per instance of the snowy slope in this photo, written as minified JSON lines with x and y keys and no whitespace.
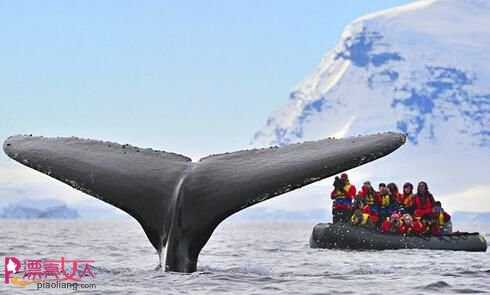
{"x":422,"y":69}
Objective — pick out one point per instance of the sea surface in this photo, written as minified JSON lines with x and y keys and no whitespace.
{"x":241,"y":258}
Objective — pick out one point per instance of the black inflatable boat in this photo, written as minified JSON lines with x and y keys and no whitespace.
{"x":345,"y":236}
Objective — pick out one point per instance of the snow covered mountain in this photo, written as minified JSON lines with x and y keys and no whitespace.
{"x":422,"y":69}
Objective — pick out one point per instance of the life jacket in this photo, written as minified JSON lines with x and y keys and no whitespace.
{"x":350,"y":190}
{"x":360,"y":218}
{"x":406,"y":200}
{"x":365,"y":218}
{"x":370,"y":199}
{"x":372,"y":212}
{"x":384,"y":200}
{"x":341,"y":201}
{"x":441,"y":218}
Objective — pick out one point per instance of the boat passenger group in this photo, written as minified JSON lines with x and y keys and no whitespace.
{"x":388,"y":210}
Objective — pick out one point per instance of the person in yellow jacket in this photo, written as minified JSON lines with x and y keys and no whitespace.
{"x":441,"y":219}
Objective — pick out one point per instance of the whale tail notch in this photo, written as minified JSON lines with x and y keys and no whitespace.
{"x":180,"y":203}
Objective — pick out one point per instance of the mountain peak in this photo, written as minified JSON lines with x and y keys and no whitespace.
{"x":419,"y":68}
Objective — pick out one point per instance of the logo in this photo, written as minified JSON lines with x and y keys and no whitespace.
{"x":11,"y":266}
{"x":49,"y":273}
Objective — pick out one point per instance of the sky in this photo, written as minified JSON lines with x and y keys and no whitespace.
{"x":193,"y":77}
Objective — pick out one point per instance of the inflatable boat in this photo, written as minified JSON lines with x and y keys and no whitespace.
{"x":346,"y":236}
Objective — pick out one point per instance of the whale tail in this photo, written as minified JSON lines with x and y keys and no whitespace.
{"x":179,"y":203}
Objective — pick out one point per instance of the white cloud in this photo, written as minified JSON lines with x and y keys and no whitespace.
{"x":475,"y":199}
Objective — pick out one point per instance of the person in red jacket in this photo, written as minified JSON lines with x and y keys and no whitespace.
{"x":342,"y":202}
{"x":386,"y":226}
{"x":350,"y":189}
{"x":417,"y":226}
{"x":406,"y":226}
{"x":424,"y":201}
{"x":367,"y":194}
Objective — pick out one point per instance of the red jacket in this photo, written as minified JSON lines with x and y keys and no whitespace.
{"x":350,"y":191}
{"x":423,"y":205}
{"x":417,"y":227}
{"x":405,"y":229}
{"x":386,"y":226}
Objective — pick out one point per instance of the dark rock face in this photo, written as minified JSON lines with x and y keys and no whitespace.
{"x":360,"y":50}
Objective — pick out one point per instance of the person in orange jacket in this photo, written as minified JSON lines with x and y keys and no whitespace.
{"x":406,"y":200}
{"x":423,"y":200}
{"x":342,"y":202}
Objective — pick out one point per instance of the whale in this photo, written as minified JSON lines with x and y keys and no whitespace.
{"x":179,"y":202}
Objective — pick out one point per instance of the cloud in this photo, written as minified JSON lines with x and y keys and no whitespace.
{"x":474,"y":199}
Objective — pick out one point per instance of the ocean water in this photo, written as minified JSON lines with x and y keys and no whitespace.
{"x":241,"y":258}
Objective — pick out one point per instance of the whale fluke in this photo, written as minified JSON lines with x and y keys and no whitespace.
{"x":178,"y":202}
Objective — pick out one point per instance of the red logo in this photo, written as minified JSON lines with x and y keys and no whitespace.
{"x":42,"y":271}
{"x":11,"y":266}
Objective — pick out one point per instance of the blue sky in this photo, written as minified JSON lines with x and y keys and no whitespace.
{"x":193,"y":77}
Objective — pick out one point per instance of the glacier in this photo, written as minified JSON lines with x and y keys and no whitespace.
{"x":422,"y":69}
